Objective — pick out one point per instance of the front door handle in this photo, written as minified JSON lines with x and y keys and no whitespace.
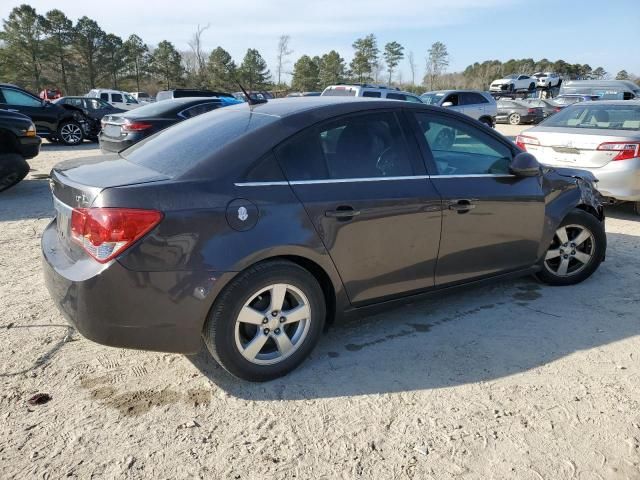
{"x":462,"y":206}
{"x":344,"y":212}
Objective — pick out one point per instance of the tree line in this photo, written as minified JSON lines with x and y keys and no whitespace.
{"x":43,"y":50}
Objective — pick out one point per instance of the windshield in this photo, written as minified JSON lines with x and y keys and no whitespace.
{"x":432,"y":98}
{"x":177,"y":149}
{"x":597,"y":115}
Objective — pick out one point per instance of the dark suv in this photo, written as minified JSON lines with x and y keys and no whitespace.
{"x":18,"y":142}
{"x":52,"y":121}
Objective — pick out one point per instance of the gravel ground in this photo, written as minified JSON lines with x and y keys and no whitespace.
{"x":515,"y":380}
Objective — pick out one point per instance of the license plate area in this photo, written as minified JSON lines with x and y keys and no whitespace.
{"x":63,"y":221}
{"x":112,"y":131}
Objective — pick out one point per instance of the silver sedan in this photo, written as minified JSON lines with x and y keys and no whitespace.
{"x":602,"y":137}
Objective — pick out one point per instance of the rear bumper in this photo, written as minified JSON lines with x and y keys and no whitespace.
{"x":111,"y":305}
{"x":29,"y":147}
{"x":114,"y":145}
{"x":619,"y":179}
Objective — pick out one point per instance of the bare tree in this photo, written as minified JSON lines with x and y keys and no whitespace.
{"x":200,"y":56}
{"x":283,"y":52}
{"x":412,"y":67}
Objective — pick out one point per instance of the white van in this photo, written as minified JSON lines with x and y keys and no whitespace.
{"x":370,"y":91}
{"x":604,"y":89}
{"x":116,"y":98}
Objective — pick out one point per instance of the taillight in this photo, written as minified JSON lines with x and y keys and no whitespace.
{"x":105,"y":233}
{"x":557,"y":109}
{"x":626,"y":150}
{"x":523,"y":140}
{"x":531,"y":110}
{"x":129,"y":126}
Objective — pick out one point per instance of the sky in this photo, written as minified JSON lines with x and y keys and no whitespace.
{"x":601,"y":33}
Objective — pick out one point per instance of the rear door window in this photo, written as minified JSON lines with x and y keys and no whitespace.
{"x":359,"y":146}
{"x":104,"y":96}
{"x":472,"y":98}
{"x":371,"y":94}
{"x":116,"y":97}
{"x":396,"y":96}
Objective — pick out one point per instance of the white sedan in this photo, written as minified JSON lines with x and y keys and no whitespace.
{"x":602,"y":137}
{"x":513,"y":83}
{"x":547,"y":79}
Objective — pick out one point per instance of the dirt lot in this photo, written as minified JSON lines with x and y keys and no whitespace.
{"x":516,"y":380}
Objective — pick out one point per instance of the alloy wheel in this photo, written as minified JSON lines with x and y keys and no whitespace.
{"x":514,"y":119}
{"x":571,"y":250}
{"x":272,"y":324}
{"x":71,"y":133}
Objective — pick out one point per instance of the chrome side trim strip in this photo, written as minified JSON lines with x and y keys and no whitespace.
{"x":260,"y":184}
{"x":474,"y":175}
{"x":358,"y":180}
{"x":370,"y":179}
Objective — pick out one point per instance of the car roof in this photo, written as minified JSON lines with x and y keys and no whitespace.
{"x":284,"y":107}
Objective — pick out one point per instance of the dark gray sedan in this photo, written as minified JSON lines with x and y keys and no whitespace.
{"x":516,"y":112}
{"x":255,"y":226}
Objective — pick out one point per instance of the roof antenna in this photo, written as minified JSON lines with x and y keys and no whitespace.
{"x":251,"y":101}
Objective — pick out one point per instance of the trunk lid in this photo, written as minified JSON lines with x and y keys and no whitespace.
{"x":577,"y":148}
{"x":77,"y":184}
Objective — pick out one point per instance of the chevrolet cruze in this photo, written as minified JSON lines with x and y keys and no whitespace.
{"x":254,"y":227}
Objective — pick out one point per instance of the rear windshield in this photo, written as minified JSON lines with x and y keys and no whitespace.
{"x":597,"y":115}
{"x":177,"y":149}
{"x":155,"y":109}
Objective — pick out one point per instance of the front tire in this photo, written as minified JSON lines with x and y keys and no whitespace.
{"x":70,"y":133}
{"x":266,"y":321}
{"x":636,"y":208}
{"x":577,"y":249}
{"x":514,"y":119}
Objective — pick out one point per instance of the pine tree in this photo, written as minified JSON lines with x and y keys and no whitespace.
{"x":393,"y":54}
{"x":332,"y":69}
{"x":221,"y":70}
{"x":306,"y":74}
{"x":253,"y":71}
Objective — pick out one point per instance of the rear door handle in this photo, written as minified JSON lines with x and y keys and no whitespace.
{"x":342,"y":212}
{"x":462,"y":206}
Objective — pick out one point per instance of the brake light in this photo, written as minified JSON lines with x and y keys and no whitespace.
{"x":557,"y":109}
{"x":626,"y":150}
{"x":523,"y":140}
{"x":531,"y":110}
{"x":105,"y":233}
{"x":129,"y":126}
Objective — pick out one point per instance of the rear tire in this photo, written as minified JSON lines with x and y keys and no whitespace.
{"x":487,"y":122}
{"x":514,"y":119}
{"x":636,"y":208}
{"x":13,"y":168}
{"x":251,"y":330}
{"x":70,"y":133}
{"x":577,"y":249}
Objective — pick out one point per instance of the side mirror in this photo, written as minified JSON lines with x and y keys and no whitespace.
{"x":525,"y":165}
{"x":447,"y":104}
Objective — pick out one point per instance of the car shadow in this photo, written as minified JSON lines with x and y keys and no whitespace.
{"x":622,"y":211}
{"x":476,"y":335}
{"x":29,"y":199}
{"x":59,"y":147}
